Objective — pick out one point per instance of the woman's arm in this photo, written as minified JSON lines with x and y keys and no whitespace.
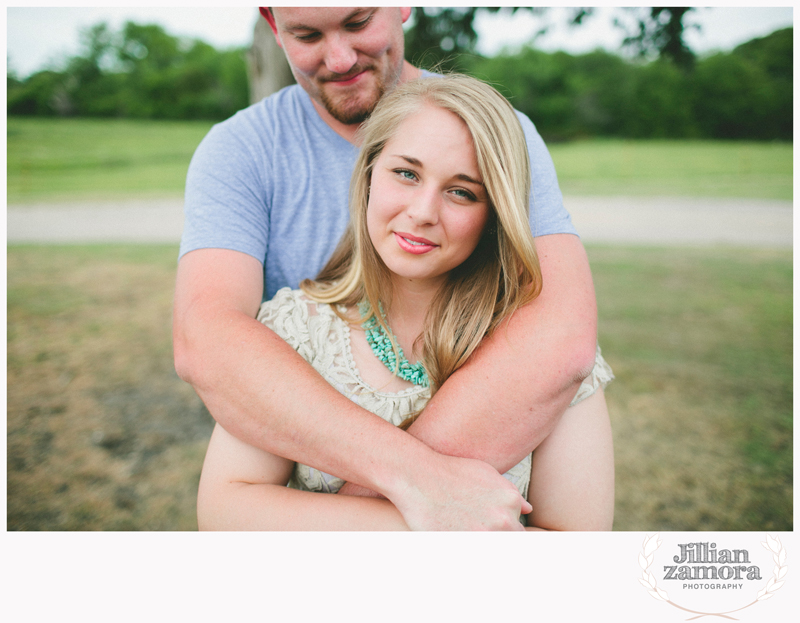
{"x":244,"y":488}
{"x":572,"y":472}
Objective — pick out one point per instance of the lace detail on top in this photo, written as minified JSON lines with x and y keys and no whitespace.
{"x":323,"y":339}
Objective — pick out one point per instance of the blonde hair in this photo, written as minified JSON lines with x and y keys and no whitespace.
{"x":501,"y":275}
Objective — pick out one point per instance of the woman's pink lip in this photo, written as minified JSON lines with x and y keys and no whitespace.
{"x":416,"y":249}
{"x":415,"y":238}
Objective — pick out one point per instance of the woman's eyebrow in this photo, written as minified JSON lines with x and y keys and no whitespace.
{"x":409,"y":159}
{"x":467,"y":178}
{"x":418,"y":163}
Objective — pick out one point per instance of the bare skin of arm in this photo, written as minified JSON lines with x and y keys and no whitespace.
{"x":572,"y":485}
{"x":510,"y":394}
{"x":244,"y":488}
{"x":572,"y":472}
{"x":243,"y":372}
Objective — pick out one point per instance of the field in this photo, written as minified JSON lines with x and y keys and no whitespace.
{"x":55,"y":159}
{"x":102,"y":435}
{"x":670,"y":168}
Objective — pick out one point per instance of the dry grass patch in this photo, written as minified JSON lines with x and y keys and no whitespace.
{"x":101,"y":432}
{"x":102,"y":435}
{"x":701,"y":343}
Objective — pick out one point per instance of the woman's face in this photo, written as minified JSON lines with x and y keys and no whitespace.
{"x":427,"y":205}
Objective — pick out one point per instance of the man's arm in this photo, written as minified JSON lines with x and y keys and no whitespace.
{"x":509,"y":395}
{"x":244,"y":488}
{"x":264,"y":393}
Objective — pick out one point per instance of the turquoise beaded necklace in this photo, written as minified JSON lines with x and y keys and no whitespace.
{"x":381,"y":345}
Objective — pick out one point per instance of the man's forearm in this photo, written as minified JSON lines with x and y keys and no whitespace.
{"x":316,"y":425}
{"x":510,"y":394}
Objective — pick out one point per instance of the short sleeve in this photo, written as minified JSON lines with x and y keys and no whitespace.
{"x":600,"y":377}
{"x":225,"y":204}
{"x":547,"y":212}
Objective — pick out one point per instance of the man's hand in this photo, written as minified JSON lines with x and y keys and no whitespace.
{"x":450,"y":493}
{"x":484,"y":503}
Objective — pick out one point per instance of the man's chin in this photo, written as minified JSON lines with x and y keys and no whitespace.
{"x":348,"y":114}
{"x":353,"y":110}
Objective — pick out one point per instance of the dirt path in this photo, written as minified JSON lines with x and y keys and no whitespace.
{"x":651,"y":220}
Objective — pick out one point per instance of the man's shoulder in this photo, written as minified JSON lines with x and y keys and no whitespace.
{"x":273,"y":111}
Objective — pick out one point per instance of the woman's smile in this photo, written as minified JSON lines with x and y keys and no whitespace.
{"x":414,"y":244}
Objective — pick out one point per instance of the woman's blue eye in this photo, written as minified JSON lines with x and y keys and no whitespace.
{"x":460,"y":192}
{"x":406,"y":174}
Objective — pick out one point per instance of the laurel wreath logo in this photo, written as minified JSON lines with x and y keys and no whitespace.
{"x":648,"y":580}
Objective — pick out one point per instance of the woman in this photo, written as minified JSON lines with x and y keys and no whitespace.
{"x":439,"y":253}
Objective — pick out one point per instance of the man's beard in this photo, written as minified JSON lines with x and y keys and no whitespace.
{"x":348,"y":110}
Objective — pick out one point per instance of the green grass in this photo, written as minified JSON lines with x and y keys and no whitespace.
{"x":103,"y":436}
{"x":63,"y":159}
{"x":701,"y":343}
{"x":675,"y":168}
{"x":70,"y":159}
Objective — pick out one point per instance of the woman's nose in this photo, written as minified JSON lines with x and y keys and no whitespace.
{"x":423,"y":209}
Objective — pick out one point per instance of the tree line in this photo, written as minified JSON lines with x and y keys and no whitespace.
{"x":742,"y":94}
{"x":143,"y":72}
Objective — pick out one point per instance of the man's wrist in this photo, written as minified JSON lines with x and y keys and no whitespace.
{"x":404,"y":475}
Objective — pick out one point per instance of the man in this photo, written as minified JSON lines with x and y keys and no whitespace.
{"x":266,"y":203}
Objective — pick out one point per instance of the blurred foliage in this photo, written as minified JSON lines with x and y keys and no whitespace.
{"x":141,"y":72}
{"x":440,"y":36}
{"x":659,"y":31}
{"x":743,"y":94}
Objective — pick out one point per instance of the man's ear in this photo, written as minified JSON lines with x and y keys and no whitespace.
{"x":405,"y":13}
{"x":267,"y":13}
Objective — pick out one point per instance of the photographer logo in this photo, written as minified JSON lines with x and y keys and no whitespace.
{"x":711,"y":579}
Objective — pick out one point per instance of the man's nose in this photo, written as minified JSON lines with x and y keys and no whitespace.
{"x":340,"y":55}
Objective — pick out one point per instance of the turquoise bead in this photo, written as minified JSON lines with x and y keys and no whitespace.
{"x":381,"y":346}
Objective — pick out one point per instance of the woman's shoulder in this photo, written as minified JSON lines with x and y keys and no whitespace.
{"x":287,"y":313}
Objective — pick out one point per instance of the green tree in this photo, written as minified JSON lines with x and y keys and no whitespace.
{"x":773,"y":55}
{"x":89,"y":89}
{"x":659,"y":31}
{"x":441,"y":36}
{"x":36,"y":95}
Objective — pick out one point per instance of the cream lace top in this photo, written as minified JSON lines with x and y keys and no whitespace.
{"x":323,"y":339}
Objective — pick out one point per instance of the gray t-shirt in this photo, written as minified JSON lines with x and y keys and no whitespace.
{"x":272,"y":181}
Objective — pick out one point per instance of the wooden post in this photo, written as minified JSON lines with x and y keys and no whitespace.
{"x":267,"y":67}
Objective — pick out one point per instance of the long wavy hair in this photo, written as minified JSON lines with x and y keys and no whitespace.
{"x":503,"y":271}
